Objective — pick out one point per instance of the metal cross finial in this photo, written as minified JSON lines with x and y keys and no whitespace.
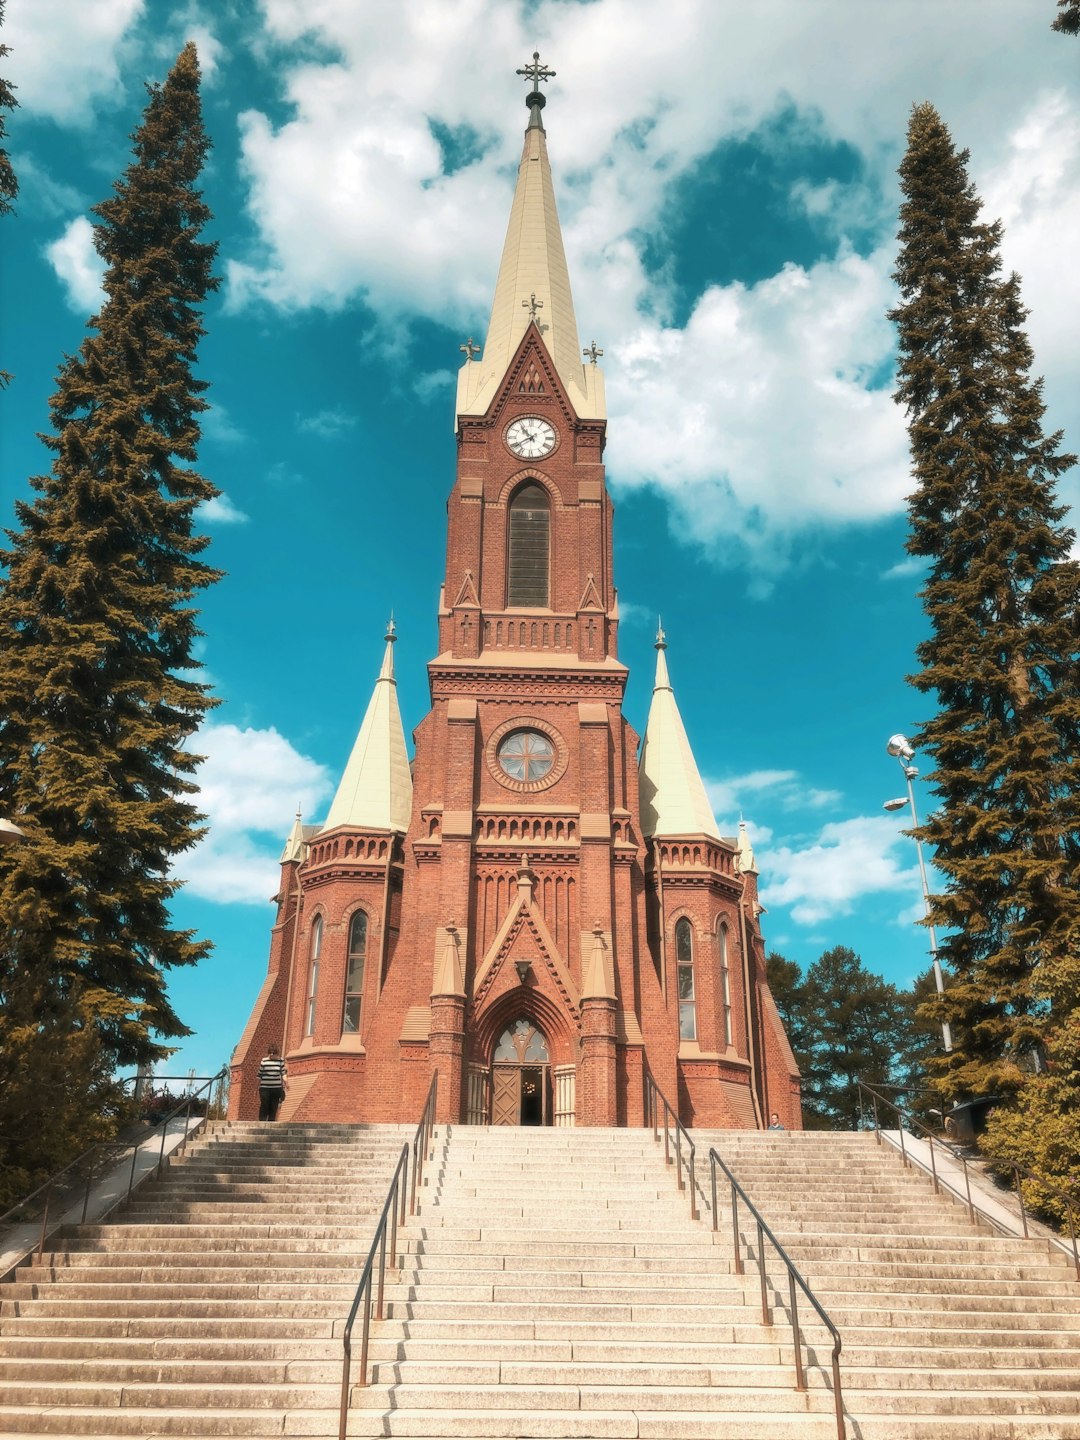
{"x":470,"y":348}
{"x":593,"y":353}
{"x":536,"y":72}
{"x":391,"y":629}
{"x":533,"y":305}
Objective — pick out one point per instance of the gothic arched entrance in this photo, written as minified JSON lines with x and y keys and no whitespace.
{"x":521,"y":1077}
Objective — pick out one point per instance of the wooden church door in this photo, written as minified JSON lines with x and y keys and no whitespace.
{"x":521,"y":1077}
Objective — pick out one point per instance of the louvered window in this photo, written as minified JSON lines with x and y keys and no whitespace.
{"x":530,"y":546}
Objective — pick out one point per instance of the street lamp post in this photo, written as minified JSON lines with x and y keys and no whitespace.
{"x":903,"y":750}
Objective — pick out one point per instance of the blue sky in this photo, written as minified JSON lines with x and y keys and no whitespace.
{"x":726,"y":180}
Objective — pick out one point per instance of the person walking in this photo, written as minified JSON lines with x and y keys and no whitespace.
{"x":273,"y":1083}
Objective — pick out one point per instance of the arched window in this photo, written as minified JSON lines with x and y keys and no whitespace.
{"x":528,"y":552}
{"x":725,"y":984}
{"x":684,"y":959}
{"x":313,"y":973}
{"x":354,"y":974}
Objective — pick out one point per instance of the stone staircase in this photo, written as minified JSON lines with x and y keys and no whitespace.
{"x":553,"y":1286}
{"x":210,"y":1307}
{"x":948,"y":1329}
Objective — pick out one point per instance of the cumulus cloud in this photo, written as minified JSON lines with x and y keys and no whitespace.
{"x":250,"y":784}
{"x":848,"y":860}
{"x":766,"y":417}
{"x":65,"y":58}
{"x":219,"y":426}
{"x":222,"y":511}
{"x":78,"y":266}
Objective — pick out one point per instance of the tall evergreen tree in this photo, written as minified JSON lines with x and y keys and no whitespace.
{"x":98,"y":698}
{"x":1068,"y":22}
{"x":9,"y":184}
{"x":1002,"y":600}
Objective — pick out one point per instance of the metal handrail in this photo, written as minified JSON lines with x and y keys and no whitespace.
{"x":795,"y":1283}
{"x":1020,"y":1172}
{"x":48,"y":1186}
{"x":653,"y":1093}
{"x":393,"y":1212}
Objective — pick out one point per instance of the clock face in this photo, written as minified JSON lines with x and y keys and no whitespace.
{"x":530,"y":437}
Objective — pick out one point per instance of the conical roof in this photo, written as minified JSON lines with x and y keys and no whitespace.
{"x":673,"y":798}
{"x":533,"y":285}
{"x":376,"y":789}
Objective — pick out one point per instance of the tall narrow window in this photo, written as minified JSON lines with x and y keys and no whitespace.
{"x":684,"y":959}
{"x":529,"y":547}
{"x":354,"y":974}
{"x":313,"y":973}
{"x":725,"y":984}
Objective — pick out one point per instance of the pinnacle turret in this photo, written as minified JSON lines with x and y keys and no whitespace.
{"x":673,"y":798}
{"x":376,"y":789}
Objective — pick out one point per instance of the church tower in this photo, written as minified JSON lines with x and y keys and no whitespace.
{"x":530,"y":912}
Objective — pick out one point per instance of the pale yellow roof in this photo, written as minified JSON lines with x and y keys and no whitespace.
{"x":673,"y":799}
{"x":376,"y":789}
{"x":533,"y":267}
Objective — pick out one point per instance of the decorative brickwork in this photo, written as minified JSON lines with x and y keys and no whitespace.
{"x":525,"y":895}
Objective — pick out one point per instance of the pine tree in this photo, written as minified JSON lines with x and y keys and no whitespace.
{"x":9,"y":184}
{"x":1068,"y":22}
{"x":1002,"y":602}
{"x":98,"y":698}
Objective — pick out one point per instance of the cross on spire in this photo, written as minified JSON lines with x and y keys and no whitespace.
{"x":592,"y":353}
{"x":470,"y":348}
{"x":533,"y":305}
{"x":536,"y":72}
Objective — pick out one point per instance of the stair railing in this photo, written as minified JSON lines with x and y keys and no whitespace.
{"x":399,"y":1198}
{"x":655,"y":1101}
{"x":101,"y":1153}
{"x":795,"y":1282}
{"x":1019,"y":1172}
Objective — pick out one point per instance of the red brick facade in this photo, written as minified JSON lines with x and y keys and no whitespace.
{"x":513,"y":900}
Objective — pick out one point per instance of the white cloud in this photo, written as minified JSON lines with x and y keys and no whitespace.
{"x":327,"y":424}
{"x":41,"y":194}
{"x":250,"y":785}
{"x":64,"y":57}
{"x":905,"y":569}
{"x":78,"y":266}
{"x":848,"y":859}
{"x":219,"y":426}
{"x":761,"y":419}
{"x":222,"y":511}
{"x":776,"y":788}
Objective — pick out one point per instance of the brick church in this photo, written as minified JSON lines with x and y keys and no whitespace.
{"x":537,"y":907}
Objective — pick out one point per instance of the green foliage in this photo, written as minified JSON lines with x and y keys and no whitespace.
{"x":9,"y":184}
{"x":1003,"y":601}
{"x":1068,"y":21}
{"x":98,"y":697}
{"x":845,"y":1024}
{"x":1041,"y":1131}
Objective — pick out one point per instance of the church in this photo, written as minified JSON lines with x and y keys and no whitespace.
{"x":539,"y":907}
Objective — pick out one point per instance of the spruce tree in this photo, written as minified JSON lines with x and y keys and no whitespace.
{"x":98,"y":691}
{"x":1068,"y":22}
{"x":1002,"y":601}
{"x":9,"y":184}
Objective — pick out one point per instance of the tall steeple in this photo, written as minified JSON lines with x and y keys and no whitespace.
{"x":533,"y":287}
{"x":376,"y":789}
{"x":673,"y":799}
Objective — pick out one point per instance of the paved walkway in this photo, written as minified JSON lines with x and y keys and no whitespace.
{"x":1000,"y":1207}
{"x":17,"y":1241}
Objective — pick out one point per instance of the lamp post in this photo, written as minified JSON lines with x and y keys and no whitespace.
{"x":903,"y":750}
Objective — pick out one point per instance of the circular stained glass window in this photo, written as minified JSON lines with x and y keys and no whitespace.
{"x":526,"y":755}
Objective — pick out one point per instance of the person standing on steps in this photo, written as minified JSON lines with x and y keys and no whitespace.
{"x":273,"y":1082}
{"x":774,"y":1122}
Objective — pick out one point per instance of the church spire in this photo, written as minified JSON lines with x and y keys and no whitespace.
{"x":533,"y":287}
{"x":376,"y":789}
{"x":673,"y":799}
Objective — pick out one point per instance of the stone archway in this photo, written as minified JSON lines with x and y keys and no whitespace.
{"x":521,"y":1082}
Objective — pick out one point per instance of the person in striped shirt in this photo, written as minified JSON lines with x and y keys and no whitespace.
{"x":273,"y":1082}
